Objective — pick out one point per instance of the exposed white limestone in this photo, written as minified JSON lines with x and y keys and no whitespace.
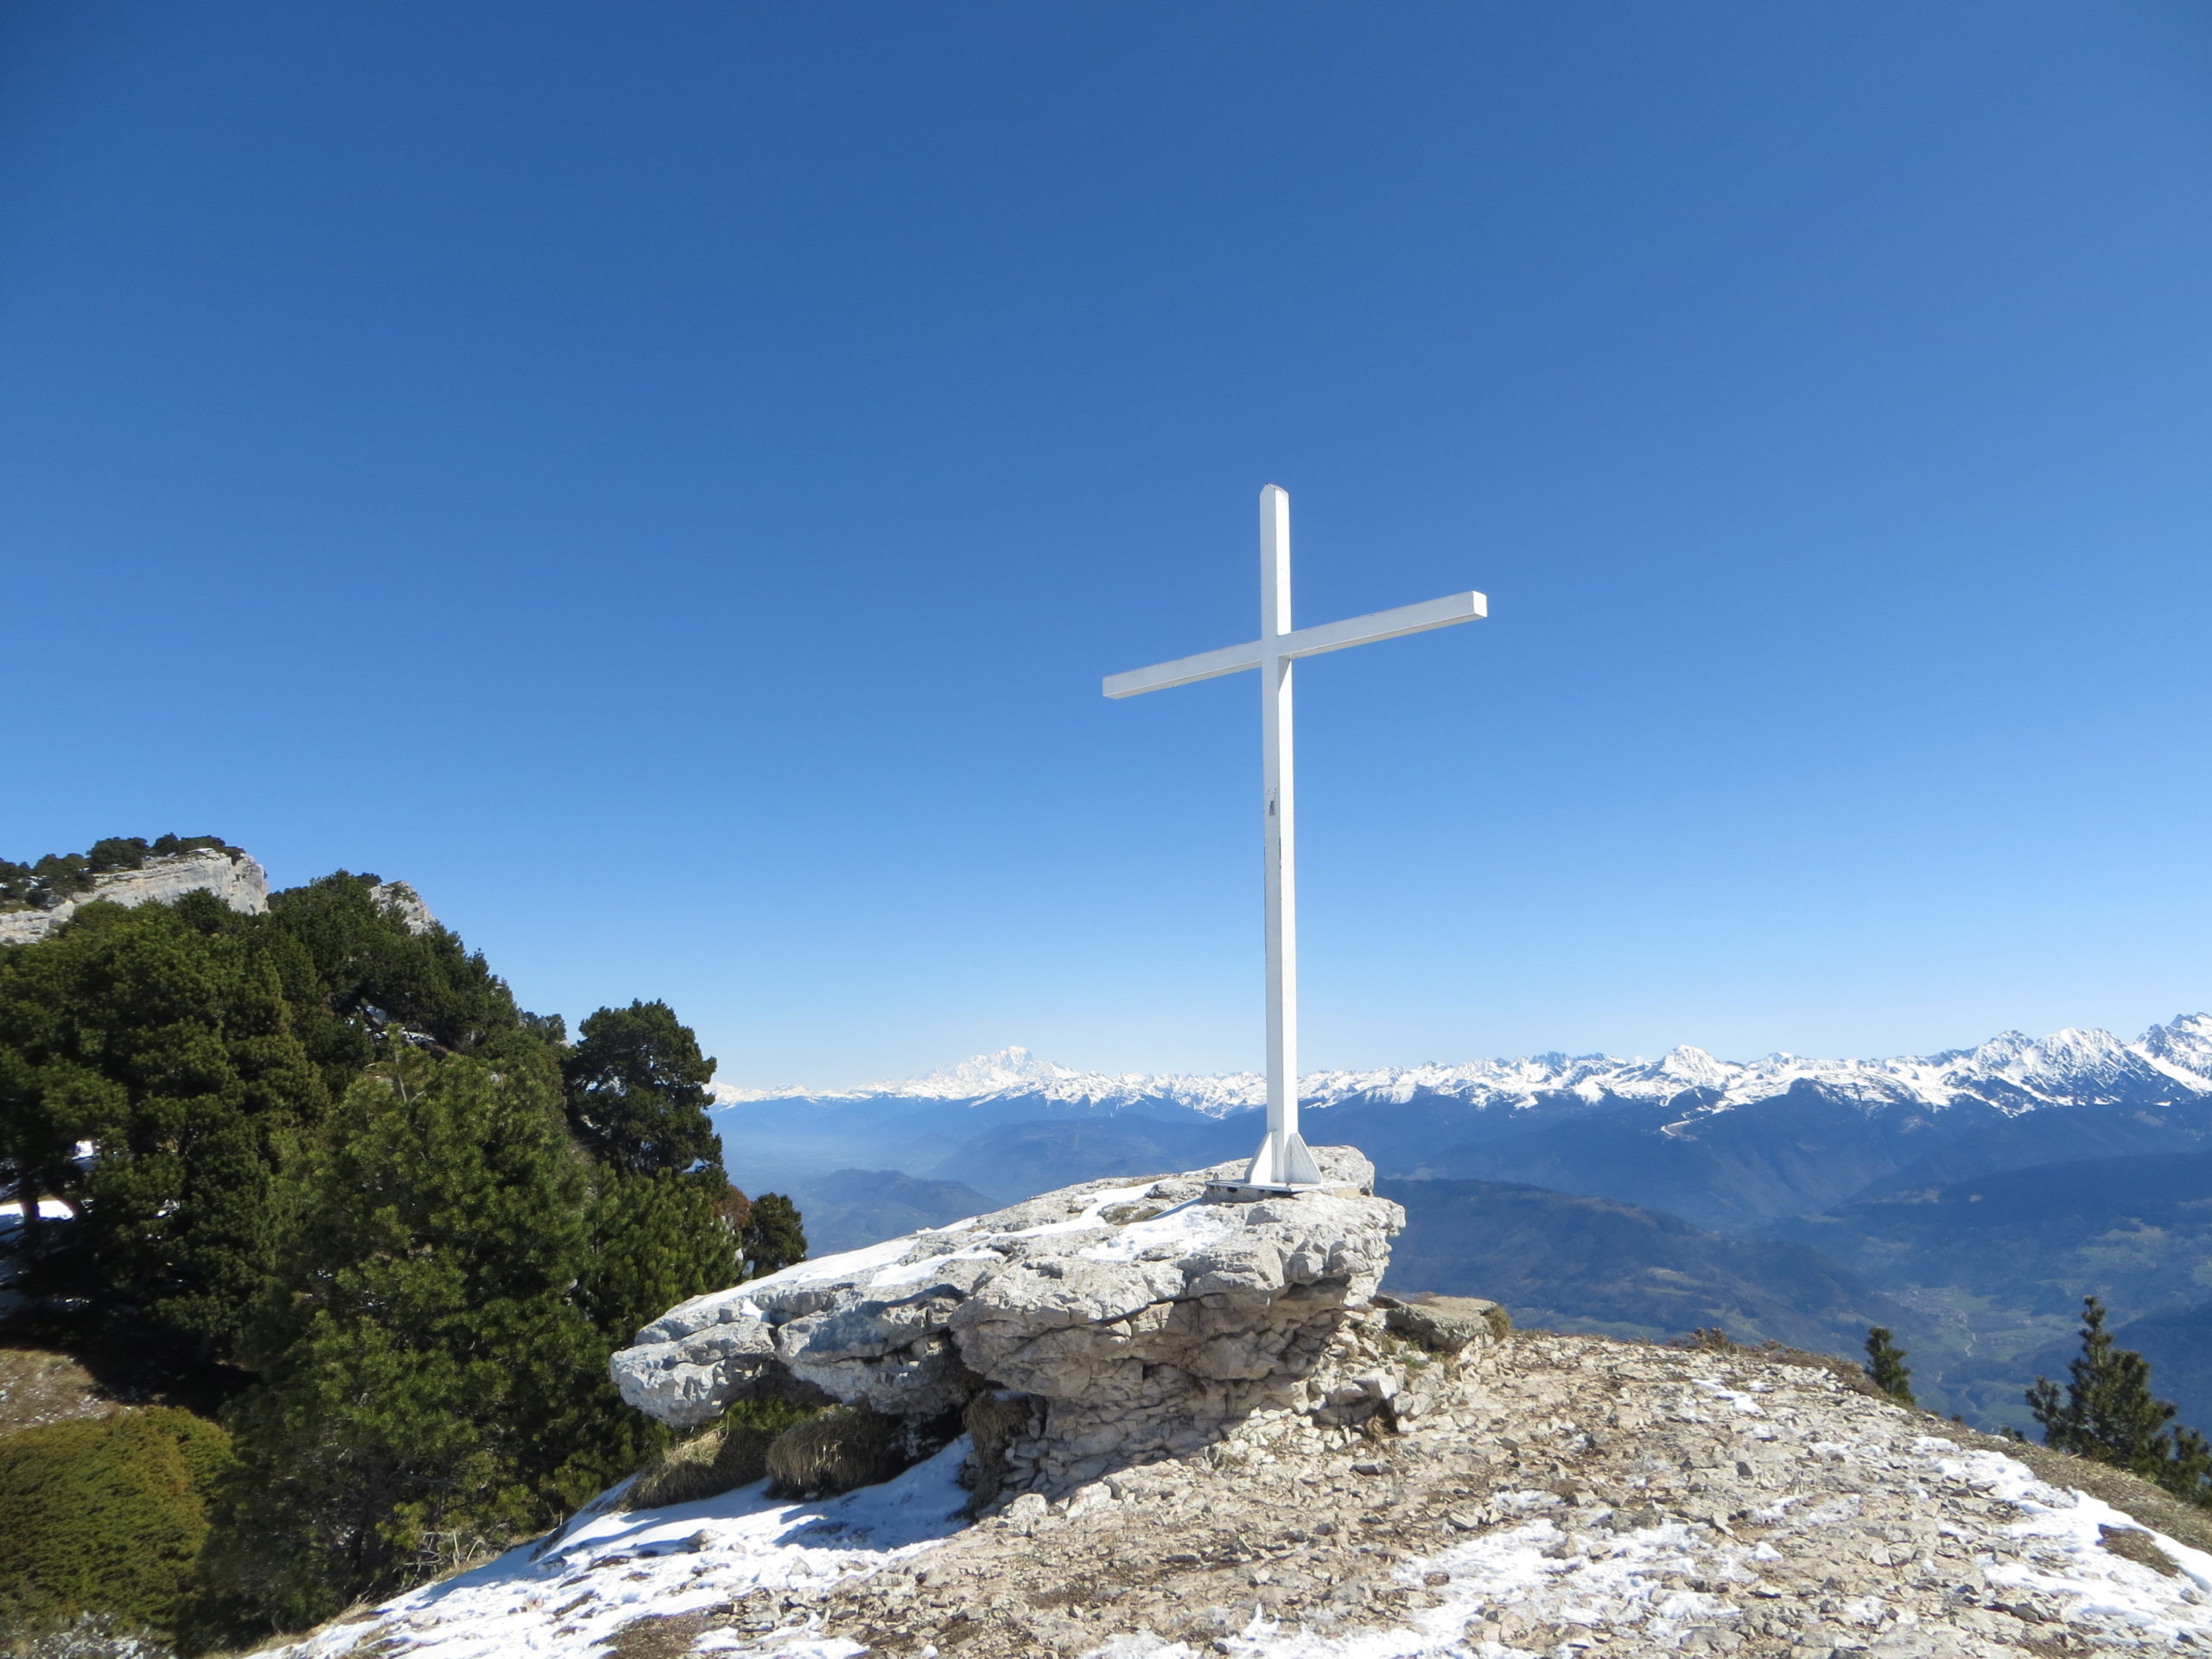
{"x":1143,"y":1320}
{"x":235,"y":878}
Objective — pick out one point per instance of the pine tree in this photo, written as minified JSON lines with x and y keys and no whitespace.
{"x":1885,"y":1366}
{"x":161,"y":1034}
{"x":2109,"y":1414}
{"x":657,"y":1240}
{"x":636,"y":1085}
{"x":634,"y":1088}
{"x":774,"y":1238}
{"x":352,"y":965}
{"x":430,"y":1386}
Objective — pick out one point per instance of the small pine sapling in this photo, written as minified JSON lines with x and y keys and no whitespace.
{"x":2108,"y":1414}
{"x":1885,"y":1366}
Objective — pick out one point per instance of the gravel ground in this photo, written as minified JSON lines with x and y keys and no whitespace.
{"x":1575,"y":1495}
{"x":1548,"y":1495}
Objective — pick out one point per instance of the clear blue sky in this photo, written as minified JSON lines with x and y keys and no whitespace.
{"x":667,"y":480}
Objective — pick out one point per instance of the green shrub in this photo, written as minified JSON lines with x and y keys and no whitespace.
{"x":105,"y":1517}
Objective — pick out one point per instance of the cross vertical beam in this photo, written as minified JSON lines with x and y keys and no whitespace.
{"x":1283,"y":1159}
{"x":1283,"y":1162}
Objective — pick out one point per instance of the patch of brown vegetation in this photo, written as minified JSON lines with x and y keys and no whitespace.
{"x":844,"y":1447}
{"x":1714,"y":1340}
{"x":665,"y":1636}
{"x":38,"y":1386}
{"x":992,"y":1424}
{"x":2137,"y":1546}
{"x":702,"y":1466}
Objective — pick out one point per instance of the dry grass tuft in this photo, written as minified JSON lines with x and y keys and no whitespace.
{"x":686,"y":1472}
{"x":734,"y":1453}
{"x":843,"y":1447}
{"x":660,"y":1636}
{"x":992,"y":1423}
{"x":2131,"y":1545}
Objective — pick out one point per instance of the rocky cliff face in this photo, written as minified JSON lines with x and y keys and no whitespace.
{"x":235,"y":878}
{"x":397,"y":896}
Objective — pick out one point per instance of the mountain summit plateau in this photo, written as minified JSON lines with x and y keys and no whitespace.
{"x":1403,"y":1477}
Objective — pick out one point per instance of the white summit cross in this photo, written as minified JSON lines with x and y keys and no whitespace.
{"x":1283,"y":1161}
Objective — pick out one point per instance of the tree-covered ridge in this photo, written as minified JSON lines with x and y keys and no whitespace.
{"x":321,"y":1165}
{"x":44,"y":883}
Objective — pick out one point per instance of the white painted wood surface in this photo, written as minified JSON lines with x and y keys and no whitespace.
{"x":1283,"y":1161}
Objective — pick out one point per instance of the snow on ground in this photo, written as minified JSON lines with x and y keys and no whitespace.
{"x":571,"y":1595}
{"x":607,"y":1568}
{"x":11,"y":1215}
{"x":1631,"y":1581}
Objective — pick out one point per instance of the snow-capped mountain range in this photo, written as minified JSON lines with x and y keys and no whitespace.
{"x":2011,"y":1072}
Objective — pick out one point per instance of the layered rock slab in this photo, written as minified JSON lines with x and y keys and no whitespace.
{"x":1142,"y":1320}
{"x":233,"y":877}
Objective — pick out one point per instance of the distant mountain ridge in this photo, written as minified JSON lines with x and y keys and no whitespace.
{"x":1627,"y":1195}
{"x":1727,"y":1145}
{"x":2011,"y":1072}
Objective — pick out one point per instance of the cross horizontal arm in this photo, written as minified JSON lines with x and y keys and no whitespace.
{"x":1302,"y":642}
{"x":1184,"y":671}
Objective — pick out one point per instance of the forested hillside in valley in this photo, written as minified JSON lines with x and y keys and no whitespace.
{"x":318,"y":1246}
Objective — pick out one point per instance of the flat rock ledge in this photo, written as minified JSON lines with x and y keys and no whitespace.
{"x":1113,"y":1322}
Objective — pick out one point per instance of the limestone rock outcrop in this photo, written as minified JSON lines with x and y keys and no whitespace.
{"x":397,"y":896}
{"x":1140,"y":1319}
{"x":234,"y":877}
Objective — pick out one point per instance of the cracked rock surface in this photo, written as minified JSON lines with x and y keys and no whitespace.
{"x":1143,"y":1320}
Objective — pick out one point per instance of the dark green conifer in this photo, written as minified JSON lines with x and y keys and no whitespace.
{"x":161,"y":1034}
{"x":2109,"y":1414}
{"x":368,"y":969}
{"x":431,"y":1388}
{"x":657,"y":1240}
{"x":774,"y":1238}
{"x":637,"y":1091}
{"x":1885,"y":1366}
